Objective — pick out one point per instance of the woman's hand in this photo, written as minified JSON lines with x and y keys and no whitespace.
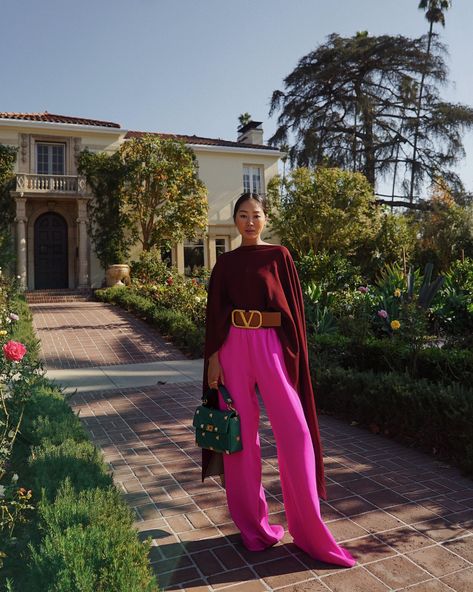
{"x":215,"y":373}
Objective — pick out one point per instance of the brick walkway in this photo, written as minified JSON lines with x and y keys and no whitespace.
{"x":88,"y":334}
{"x":407,"y":518}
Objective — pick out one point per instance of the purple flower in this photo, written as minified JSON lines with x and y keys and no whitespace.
{"x":363,"y":289}
{"x":383,"y":314}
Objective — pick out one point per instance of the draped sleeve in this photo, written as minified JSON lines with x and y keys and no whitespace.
{"x":293,"y":336}
{"x":218,"y":314}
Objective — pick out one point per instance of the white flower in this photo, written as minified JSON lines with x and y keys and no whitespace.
{"x":2,"y":490}
{"x":14,"y":479}
{"x":14,"y":317}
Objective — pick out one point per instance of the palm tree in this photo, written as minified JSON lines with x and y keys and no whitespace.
{"x":434,"y":14}
{"x":244,"y":118}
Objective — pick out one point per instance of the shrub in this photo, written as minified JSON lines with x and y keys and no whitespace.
{"x":382,"y":355}
{"x":88,"y":545}
{"x":454,"y":309}
{"x":331,"y":270}
{"x":79,"y":536}
{"x":149,"y":269}
{"x":435,"y":417}
{"x":80,"y":462}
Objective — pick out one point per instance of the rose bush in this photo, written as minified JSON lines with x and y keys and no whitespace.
{"x":19,"y":373}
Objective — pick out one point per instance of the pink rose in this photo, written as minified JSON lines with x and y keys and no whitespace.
{"x":14,"y":351}
{"x":383,"y":314}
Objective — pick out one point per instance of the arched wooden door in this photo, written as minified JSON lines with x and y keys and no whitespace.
{"x":50,"y":252}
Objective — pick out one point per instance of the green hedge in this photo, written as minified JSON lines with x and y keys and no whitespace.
{"x":385,"y":355}
{"x":81,"y":535}
{"x":433,"y":416}
{"x":175,"y":325}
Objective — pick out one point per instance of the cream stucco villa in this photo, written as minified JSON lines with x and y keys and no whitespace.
{"x":51,"y":226}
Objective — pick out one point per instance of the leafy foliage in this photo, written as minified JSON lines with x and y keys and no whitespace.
{"x":326,"y":208}
{"x":444,"y":231}
{"x":89,"y":545}
{"x":7,"y":204}
{"x":163,"y":194}
{"x":418,"y":412}
{"x":110,"y":227}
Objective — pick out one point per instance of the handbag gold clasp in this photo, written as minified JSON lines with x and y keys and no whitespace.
{"x":247,"y":324}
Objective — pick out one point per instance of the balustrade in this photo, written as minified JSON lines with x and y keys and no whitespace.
{"x":50,"y":183}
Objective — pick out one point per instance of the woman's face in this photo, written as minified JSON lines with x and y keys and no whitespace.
{"x":250,"y":220}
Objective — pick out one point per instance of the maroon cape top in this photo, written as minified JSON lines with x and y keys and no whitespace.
{"x":261,"y":277}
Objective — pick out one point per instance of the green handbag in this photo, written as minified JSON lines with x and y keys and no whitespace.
{"x":218,"y":430}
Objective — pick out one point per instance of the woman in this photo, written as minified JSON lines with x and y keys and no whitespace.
{"x":255,"y":336}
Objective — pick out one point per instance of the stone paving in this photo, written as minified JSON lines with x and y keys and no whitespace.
{"x":88,"y":334}
{"x":406,"y":517}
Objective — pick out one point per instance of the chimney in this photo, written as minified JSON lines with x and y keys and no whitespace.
{"x":251,"y":133}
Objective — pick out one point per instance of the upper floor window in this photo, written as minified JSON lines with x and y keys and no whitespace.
{"x":50,"y":159}
{"x":252,"y":179}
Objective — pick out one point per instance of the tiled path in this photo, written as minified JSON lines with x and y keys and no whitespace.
{"x":406,"y":517}
{"x":88,"y":334}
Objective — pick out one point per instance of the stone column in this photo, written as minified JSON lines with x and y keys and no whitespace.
{"x":180,"y":257}
{"x":21,"y":220}
{"x":212,"y":252}
{"x":82,"y":221}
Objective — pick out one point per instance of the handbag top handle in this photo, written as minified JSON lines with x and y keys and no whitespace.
{"x":226,"y":395}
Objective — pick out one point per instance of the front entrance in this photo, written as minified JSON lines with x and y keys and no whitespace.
{"x":50,"y":252}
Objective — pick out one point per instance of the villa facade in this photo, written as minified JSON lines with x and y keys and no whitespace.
{"x":51,"y":225}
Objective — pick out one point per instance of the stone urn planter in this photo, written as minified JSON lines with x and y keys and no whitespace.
{"x":117,"y":275}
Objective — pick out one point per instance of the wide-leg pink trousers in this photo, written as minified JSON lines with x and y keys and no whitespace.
{"x":255,"y":356}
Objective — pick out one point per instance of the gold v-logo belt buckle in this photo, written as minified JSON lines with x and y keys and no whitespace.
{"x":247,"y":323}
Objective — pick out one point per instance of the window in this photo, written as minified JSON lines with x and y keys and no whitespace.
{"x":252,"y":179}
{"x":193,"y":256}
{"x":220,"y":246}
{"x":50,"y":159}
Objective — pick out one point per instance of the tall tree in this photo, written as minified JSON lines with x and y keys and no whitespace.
{"x":434,"y":14}
{"x":163,"y":194}
{"x":346,"y":104}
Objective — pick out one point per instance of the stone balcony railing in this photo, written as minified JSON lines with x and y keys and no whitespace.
{"x":74,"y":184}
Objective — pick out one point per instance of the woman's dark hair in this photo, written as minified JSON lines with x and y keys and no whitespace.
{"x":261,"y":199}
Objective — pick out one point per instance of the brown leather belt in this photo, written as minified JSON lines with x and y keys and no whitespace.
{"x":254,"y":319}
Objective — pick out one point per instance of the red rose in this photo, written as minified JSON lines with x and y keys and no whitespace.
{"x":14,"y":351}
{"x":170,"y":281}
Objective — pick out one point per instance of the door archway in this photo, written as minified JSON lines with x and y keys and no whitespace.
{"x":50,"y":252}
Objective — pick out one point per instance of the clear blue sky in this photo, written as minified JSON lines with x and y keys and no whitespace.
{"x":192,"y":66}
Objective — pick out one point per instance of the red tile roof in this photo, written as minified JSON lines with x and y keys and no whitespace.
{"x":52,"y":118}
{"x":201,"y":141}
